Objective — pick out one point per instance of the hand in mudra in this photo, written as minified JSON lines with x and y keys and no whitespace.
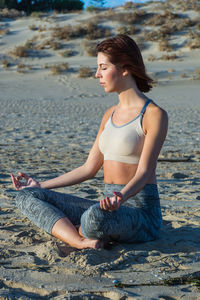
{"x":18,"y":185}
{"x":112,"y":203}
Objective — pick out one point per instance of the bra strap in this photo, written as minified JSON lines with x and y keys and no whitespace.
{"x":145,"y":106}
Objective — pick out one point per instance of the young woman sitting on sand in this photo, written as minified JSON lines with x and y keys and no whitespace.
{"x":127,"y":145}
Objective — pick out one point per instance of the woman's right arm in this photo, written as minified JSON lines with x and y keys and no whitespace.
{"x":86,"y":171}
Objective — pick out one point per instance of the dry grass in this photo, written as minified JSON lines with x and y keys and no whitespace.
{"x":92,"y":9}
{"x":67,"y":53}
{"x":135,"y":17}
{"x":141,"y":42}
{"x":37,"y":14}
{"x":85,"y":72}
{"x":89,"y":47}
{"x":183,"y":75}
{"x":41,"y":29}
{"x":194,"y":40}
{"x":197,"y":74}
{"x":89,"y":30}
{"x":129,"y":5}
{"x":130,"y":29}
{"x":11,"y":13}
{"x":20,"y":51}
{"x":23,"y":68}
{"x":58,"y":69}
{"x":169,"y":57}
{"x":5,"y":63}
{"x":33,"y":27}
{"x":161,"y":19}
{"x":50,"y":44}
{"x":4,"y":31}
{"x":169,"y":27}
{"x":164,"y":45}
{"x":29,"y":44}
{"x":55,"y":45}
{"x":151,"y":57}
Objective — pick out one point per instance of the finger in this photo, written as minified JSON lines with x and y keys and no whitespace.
{"x":25,"y":176}
{"x":104,"y":204}
{"x":107,"y":203}
{"x":101,"y":204}
{"x":15,"y":182}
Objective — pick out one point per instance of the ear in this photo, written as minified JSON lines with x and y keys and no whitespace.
{"x":125,"y":72}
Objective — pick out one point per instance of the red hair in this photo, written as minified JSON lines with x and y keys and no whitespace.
{"x":123,"y":51}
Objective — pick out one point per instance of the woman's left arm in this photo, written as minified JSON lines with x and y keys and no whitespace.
{"x":155,"y":125}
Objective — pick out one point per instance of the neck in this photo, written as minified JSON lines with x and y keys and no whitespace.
{"x":130,"y":96}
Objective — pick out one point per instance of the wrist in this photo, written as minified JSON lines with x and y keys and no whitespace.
{"x":120,"y":198}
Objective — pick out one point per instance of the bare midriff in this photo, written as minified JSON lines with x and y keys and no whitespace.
{"x":116,"y":172}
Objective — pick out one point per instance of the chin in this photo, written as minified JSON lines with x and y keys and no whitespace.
{"x":109,"y":90}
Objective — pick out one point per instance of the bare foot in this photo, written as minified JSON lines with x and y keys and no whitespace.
{"x":88,"y":243}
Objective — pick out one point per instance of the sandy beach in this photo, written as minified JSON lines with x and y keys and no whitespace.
{"x":48,"y":124}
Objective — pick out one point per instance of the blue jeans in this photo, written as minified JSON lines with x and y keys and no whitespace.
{"x":139,"y":223}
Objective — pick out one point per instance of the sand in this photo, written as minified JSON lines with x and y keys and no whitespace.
{"x":48,"y":124}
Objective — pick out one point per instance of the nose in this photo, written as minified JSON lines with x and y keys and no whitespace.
{"x":97,"y":75}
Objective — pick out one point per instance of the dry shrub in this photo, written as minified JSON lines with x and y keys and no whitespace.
{"x":129,"y":5}
{"x":127,"y":30}
{"x":152,"y":36}
{"x":11,"y":13}
{"x":4,"y":31}
{"x":39,"y":46}
{"x":110,"y":12}
{"x":183,"y":75}
{"x":20,"y":51}
{"x":89,"y":30}
{"x":85,"y":72}
{"x":37,"y":14}
{"x":67,"y":32}
{"x":59,"y":69}
{"x":92,"y":9}
{"x":40,"y":28}
{"x":55,"y":45}
{"x":194,"y":40}
{"x":197,"y":26}
{"x":46,"y":66}
{"x":164,"y":45}
{"x":5,"y":63}
{"x":66,"y":53}
{"x":29,"y":44}
{"x":169,"y":57}
{"x":96,"y":32}
{"x":151,"y":57}
{"x":23,"y":68}
{"x":169,"y":27}
{"x":89,"y":47}
{"x":33,"y":27}
{"x":130,"y":18}
{"x":141,"y":42}
{"x":48,"y":44}
{"x":197,"y":74}
{"x":160,"y":19}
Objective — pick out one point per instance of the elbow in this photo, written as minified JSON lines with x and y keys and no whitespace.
{"x":90,"y":171}
{"x":145,"y":174}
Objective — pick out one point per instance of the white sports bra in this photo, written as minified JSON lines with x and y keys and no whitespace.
{"x":123,"y":143}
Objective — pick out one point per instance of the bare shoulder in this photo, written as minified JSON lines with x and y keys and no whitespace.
{"x":155,"y":116}
{"x":154,"y":111}
{"x":107,"y":115}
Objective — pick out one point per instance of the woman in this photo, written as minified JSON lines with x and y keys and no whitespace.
{"x":127,"y":145}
